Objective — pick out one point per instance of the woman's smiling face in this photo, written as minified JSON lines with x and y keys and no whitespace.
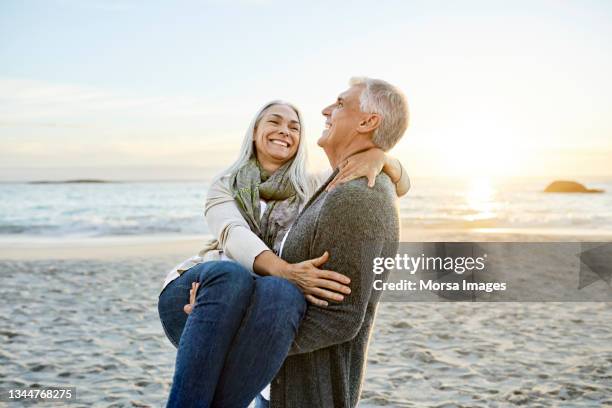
{"x":277,"y":136}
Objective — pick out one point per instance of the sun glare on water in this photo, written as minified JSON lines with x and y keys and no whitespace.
{"x":479,"y":197}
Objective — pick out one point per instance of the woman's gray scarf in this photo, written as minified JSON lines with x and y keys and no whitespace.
{"x":249,"y":184}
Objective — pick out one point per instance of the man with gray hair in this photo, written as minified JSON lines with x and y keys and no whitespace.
{"x":354,"y":223}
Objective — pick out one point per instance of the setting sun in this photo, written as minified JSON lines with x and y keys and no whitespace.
{"x":481,"y":148}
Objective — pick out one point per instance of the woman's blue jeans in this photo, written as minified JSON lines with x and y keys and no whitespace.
{"x":236,"y":338}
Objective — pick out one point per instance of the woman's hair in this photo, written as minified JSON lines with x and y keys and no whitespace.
{"x":302,"y":184}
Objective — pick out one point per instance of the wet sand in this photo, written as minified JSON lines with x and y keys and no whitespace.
{"x":84,"y":314}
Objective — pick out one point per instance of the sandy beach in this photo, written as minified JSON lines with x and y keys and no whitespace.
{"x":83,"y":313}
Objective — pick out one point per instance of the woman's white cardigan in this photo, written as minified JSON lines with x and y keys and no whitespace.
{"x":234,"y":240}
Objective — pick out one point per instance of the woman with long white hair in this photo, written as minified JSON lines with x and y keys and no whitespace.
{"x":238,"y":287}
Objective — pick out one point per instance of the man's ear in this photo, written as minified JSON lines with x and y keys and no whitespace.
{"x":370,"y":123}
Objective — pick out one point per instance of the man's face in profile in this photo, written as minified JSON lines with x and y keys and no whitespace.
{"x":342,"y":117}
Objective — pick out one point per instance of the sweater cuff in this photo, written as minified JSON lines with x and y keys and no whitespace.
{"x":246,"y":254}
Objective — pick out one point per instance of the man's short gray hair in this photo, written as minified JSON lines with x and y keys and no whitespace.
{"x":383,"y":98}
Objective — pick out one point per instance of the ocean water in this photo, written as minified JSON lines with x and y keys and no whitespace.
{"x":176,"y":208}
{"x":518,"y":203}
{"x":102,"y":209}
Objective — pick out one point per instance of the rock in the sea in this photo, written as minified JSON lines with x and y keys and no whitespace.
{"x":564,"y":186}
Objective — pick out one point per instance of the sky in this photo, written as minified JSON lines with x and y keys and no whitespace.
{"x":124,"y":89}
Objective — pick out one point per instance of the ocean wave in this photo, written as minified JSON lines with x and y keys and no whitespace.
{"x":177,"y":208}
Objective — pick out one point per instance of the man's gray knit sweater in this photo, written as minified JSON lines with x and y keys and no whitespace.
{"x":326,"y":363}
